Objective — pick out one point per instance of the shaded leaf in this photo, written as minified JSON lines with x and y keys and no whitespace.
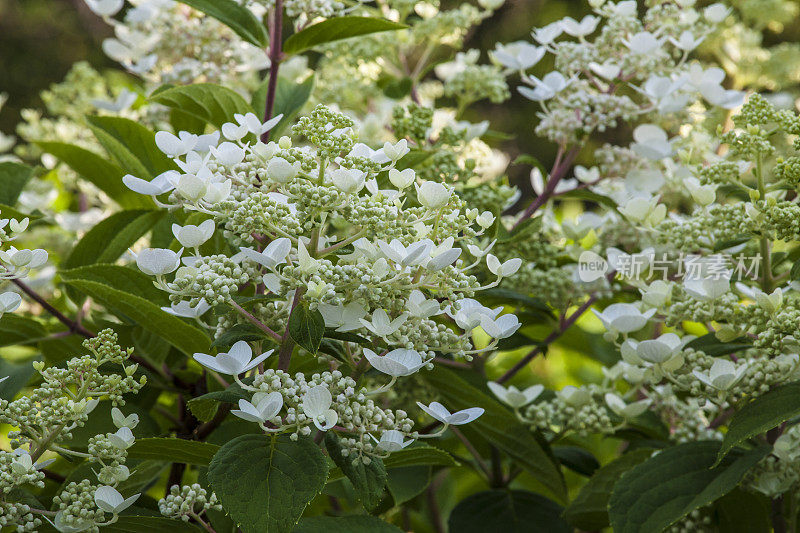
{"x":172,"y":329}
{"x":761,"y":415}
{"x":13,"y":178}
{"x":673,"y":483}
{"x":336,"y":29}
{"x":509,"y":511}
{"x":123,"y":138}
{"x":344,"y":524}
{"x":103,"y":174}
{"x":110,"y":238}
{"x":307,"y":327}
{"x":173,"y":450}
{"x":369,"y":480}
{"x":290,"y":97}
{"x":235,"y":16}
{"x":499,"y":427}
{"x":589,"y":509}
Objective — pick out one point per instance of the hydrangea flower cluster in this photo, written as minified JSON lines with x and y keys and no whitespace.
{"x":164,"y":41}
{"x":331,"y":228}
{"x":583,"y":94}
{"x":45,"y":420}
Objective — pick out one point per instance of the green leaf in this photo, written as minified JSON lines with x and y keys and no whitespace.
{"x":761,"y":415}
{"x":743,"y":512}
{"x":344,"y":524}
{"x":336,"y":29}
{"x":498,"y":426}
{"x":134,"y":281}
{"x":589,"y":509}
{"x":100,"y":423}
{"x":16,"y":329}
{"x":237,"y":17}
{"x":407,"y":482}
{"x":576,"y":459}
{"x":239,"y":332}
{"x":13,"y":178}
{"x":307,"y":327}
{"x":125,"y":139}
{"x":418,"y":455}
{"x":509,"y":511}
{"x":111,"y":237}
{"x":103,"y":174}
{"x":290,"y":97}
{"x":714,"y":347}
{"x":17,"y":376}
{"x":590,"y":196}
{"x":205,"y":407}
{"x":264,"y":482}
{"x":173,"y":450}
{"x":172,"y":329}
{"x":368,"y":480}
{"x":673,"y":483}
{"x":211,"y":103}
{"x":149,"y":524}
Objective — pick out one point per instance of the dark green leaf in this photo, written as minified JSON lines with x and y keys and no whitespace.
{"x":673,"y":483}
{"x":307,"y":327}
{"x":173,"y":450}
{"x":509,"y":511}
{"x":149,"y":524}
{"x":127,"y":141}
{"x":103,"y":174}
{"x":237,"y":17}
{"x":110,"y":238}
{"x":743,"y":512}
{"x":15,"y":329}
{"x":335,"y":29}
{"x":211,"y":103}
{"x":714,"y":347}
{"x":13,"y":178}
{"x":761,"y":415}
{"x":576,"y":459}
{"x":499,"y":427}
{"x":134,"y":281}
{"x":266,"y":482}
{"x":417,"y":455}
{"x":172,"y":329}
{"x":17,"y":375}
{"x":589,"y":509}
{"x":100,"y":423}
{"x":239,"y":332}
{"x":368,"y":480}
{"x":290,"y":97}
{"x":344,"y":524}
{"x":407,"y":482}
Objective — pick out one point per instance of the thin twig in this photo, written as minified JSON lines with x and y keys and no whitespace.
{"x":559,"y":170}
{"x":565,"y":324}
{"x":275,"y":58}
{"x":471,"y":449}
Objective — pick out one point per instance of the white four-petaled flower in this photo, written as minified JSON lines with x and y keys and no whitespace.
{"x":234,"y":362}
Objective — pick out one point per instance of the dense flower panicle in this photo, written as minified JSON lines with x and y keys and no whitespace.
{"x":169,"y":42}
{"x":320,"y":224}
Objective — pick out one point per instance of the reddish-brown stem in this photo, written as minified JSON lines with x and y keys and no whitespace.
{"x":74,"y":326}
{"x":275,"y":57}
{"x":471,"y":449}
{"x":563,"y":326}
{"x":562,"y":164}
